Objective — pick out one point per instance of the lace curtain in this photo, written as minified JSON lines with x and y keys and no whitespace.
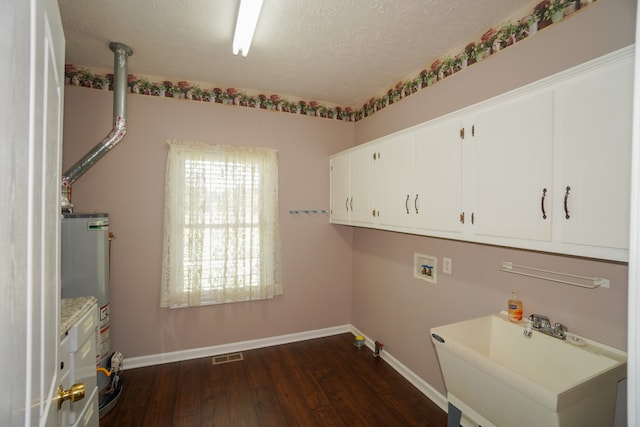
{"x":221,"y":240}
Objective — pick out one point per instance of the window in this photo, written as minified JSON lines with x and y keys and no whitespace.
{"x":221,"y":239}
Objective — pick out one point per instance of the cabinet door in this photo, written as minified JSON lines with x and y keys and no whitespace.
{"x":394,"y":194}
{"x":83,"y":353}
{"x":512,"y":169}
{"x":340,"y":191}
{"x":437,"y":165}
{"x":595,"y":112}
{"x":361,"y":178}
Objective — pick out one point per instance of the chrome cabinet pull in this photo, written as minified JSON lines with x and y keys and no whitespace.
{"x":406,"y":204}
{"x":566,"y":207}
{"x":544,"y":194}
{"x":415,"y":204}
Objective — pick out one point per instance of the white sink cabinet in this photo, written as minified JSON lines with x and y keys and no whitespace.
{"x":79,"y":355}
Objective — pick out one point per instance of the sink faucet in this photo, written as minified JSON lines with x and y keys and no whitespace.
{"x":541,"y":323}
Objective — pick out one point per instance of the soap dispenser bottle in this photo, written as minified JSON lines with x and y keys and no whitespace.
{"x":515,"y":307}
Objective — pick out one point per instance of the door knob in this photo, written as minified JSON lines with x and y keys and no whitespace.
{"x":75,"y":393}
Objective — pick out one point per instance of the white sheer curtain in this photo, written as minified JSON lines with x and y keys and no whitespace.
{"x":221,"y":240}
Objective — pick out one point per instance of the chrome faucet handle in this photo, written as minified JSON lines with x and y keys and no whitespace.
{"x":542,"y":324}
{"x":529,"y":329}
{"x":539,"y":321}
{"x":559,"y":329}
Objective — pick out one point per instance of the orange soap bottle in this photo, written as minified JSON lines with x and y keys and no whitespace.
{"x":515,"y":307}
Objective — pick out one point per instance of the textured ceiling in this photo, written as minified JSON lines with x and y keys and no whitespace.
{"x":340,"y":52}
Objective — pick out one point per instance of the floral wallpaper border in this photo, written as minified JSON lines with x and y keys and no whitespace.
{"x":493,"y":40}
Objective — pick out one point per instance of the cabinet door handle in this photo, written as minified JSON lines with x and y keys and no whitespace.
{"x":566,"y":207}
{"x":346,"y":204}
{"x":415,"y":204}
{"x":473,"y":219}
{"x":544,"y":194}
{"x":462,"y":217}
{"x":351,"y":203}
{"x":406,"y":203}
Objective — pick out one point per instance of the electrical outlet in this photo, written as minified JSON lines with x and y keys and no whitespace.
{"x":447,"y":265}
{"x":425,"y":267}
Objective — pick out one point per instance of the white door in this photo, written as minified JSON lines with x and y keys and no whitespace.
{"x":31,"y":84}
{"x":633,"y":367}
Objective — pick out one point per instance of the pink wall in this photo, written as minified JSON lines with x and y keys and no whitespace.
{"x":602,"y":27}
{"x":393,"y":307}
{"x":128,"y":183}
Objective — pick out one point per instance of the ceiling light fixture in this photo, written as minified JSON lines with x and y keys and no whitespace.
{"x":247,"y":19}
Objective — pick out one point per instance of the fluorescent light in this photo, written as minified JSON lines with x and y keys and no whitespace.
{"x":246,"y":25}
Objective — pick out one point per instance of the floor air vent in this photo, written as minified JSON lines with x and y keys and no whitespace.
{"x":227,"y":358}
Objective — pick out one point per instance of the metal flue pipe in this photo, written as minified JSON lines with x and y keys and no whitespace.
{"x":121,"y":53}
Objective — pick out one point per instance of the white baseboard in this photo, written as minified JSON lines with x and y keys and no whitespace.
{"x":195,"y":353}
{"x":177,"y":356}
{"x":425,"y":388}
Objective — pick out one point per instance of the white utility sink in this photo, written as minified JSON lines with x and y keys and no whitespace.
{"x":498,"y":377}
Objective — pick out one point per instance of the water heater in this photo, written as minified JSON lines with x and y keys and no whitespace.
{"x":85,"y":270}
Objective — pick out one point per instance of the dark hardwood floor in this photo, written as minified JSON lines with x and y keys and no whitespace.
{"x":321,"y":382}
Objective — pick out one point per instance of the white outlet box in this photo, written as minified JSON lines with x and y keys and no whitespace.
{"x":447,"y":265}
{"x":425,"y":267}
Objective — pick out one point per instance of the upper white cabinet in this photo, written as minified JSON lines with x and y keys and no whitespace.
{"x":340,"y":166}
{"x":352,"y":186}
{"x":418,"y":179}
{"x":545,"y":167}
{"x":594,"y":113}
{"x":396,"y":201}
{"x":510,"y":158}
{"x":437,"y":165}
{"x":361,"y":201}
